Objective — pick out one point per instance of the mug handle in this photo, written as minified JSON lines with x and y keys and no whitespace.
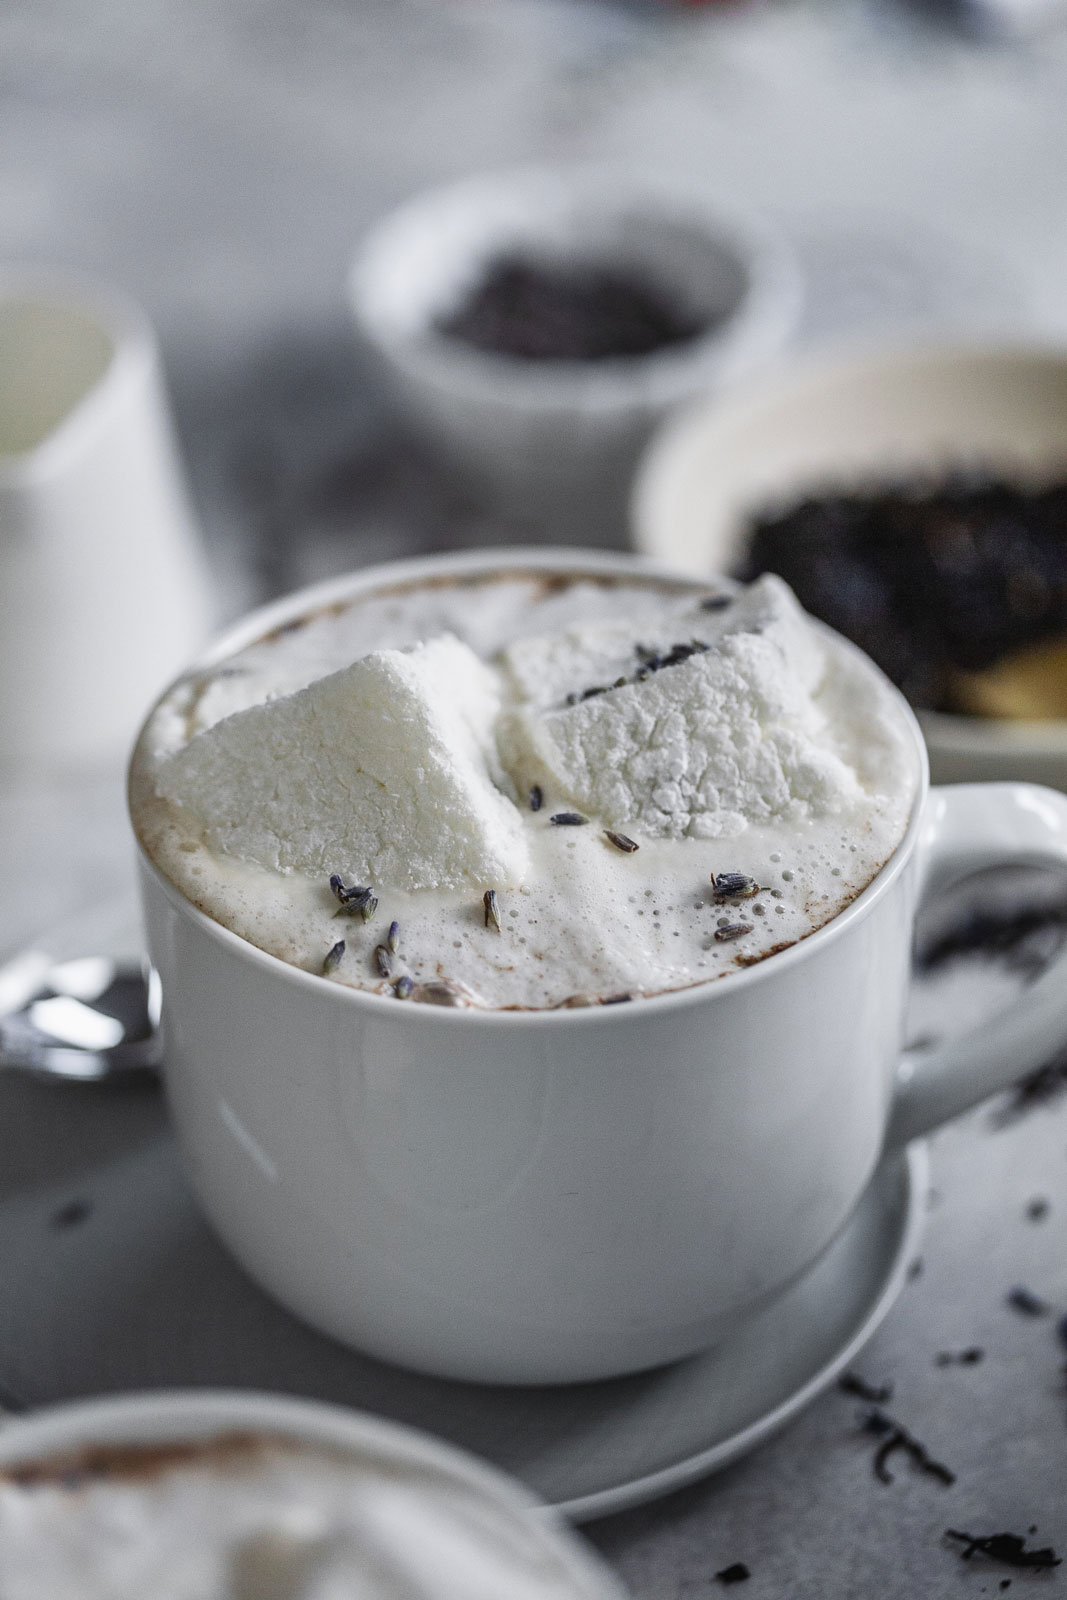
{"x":967,"y":827}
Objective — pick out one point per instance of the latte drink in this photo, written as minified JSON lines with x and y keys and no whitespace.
{"x":513,"y":788}
{"x":253,"y":1516}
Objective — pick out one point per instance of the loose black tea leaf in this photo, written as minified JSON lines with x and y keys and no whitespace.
{"x":548,"y":311}
{"x":936,"y":581}
{"x":895,"y":1438}
{"x":1023,"y":939}
{"x":876,"y":1393}
{"x":1026,"y":1302}
{"x":1039,"y":1088}
{"x":1009,"y":1549}
{"x":71,"y":1214}
{"x":960,"y":1358}
{"x":737,"y":1572}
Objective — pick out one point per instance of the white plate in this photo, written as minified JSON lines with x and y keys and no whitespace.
{"x":137,"y":1294}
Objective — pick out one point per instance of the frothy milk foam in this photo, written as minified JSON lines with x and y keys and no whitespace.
{"x":251,"y":1516}
{"x":417,"y":744}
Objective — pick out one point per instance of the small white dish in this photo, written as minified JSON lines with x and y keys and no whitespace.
{"x":856,"y":418}
{"x":558,"y":439}
{"x":139,"y":1295}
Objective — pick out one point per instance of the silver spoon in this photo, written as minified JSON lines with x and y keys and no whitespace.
{"x":86,"y":1019}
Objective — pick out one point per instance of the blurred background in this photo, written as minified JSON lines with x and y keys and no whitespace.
{"x":221,"y":159}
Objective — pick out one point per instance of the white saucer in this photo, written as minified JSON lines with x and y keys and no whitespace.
{"x":137,"y":1295}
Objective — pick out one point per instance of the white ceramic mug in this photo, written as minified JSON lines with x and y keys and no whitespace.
{"x":552,"y":1196}
{"x":103,"y":593}
{"x":484,"y":1525}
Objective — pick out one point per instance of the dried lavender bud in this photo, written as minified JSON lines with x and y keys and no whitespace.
{"x":621,"y":841}
{"x":383,"y":961}
{"x":536,"y":797}
{"x":332,"y":959}
{"x":492,"y":910}
{"x":616,"y":999}
{"x":392,"y":938}
{"x":403,"y":986}
{"x":357,"y":901}
{"x":568,"y":819}
{"x":445,"y":992}
{"x":347,"y":896}
{"x":732,"y":930}
{"x":734,"y":886}
{"x":715,"y":602}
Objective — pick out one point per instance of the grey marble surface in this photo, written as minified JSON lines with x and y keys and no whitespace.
{"x":219,"y":158}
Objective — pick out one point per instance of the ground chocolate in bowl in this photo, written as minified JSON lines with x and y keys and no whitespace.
{"x":519,"y":789}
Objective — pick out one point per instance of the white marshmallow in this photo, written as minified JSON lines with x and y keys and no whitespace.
{"x":383,"y":772}
{"x":703,"y":748}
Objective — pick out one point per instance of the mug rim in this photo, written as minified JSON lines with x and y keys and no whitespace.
{"x":262,"y":621}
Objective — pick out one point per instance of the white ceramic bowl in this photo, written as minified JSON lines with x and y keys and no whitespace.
{"x":551,"y":439}
{"x":868,"y":415}
{"x":491,"y":1510}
